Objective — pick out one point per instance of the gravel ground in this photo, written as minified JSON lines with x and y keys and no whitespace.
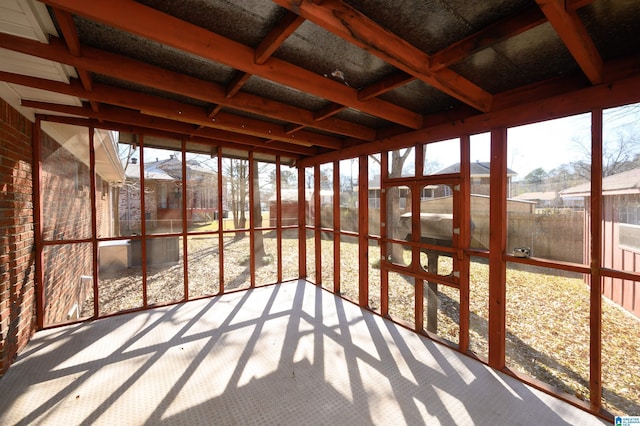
{"x":547,"y":315}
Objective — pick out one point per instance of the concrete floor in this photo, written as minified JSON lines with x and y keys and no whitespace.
{"x":282,"y":355}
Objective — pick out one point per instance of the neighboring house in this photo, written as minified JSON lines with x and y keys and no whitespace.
{"x":163,"y":194}
{"x":621,"y":232}
{"x":543,"y":200}
{"x":480,"y":172}
{"x":289,"y":208}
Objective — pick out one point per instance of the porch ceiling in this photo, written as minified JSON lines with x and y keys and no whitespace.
{"x":300,"y":78}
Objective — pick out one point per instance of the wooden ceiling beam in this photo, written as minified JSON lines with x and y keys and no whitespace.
{"x":133,"y":118}
{"x":123,"y":68}
{"x":348,"y":23}
{"x":179,"y":111}
{"x":70,"y":34}
{"x":213,"y":111}
{"x":385,"y":85}
{"x":574,"y":35}
{"x":621,"y":90}
{"x":109,"y":125}
{"x":287,"y":26}
{"x":236,"y":84}
{"x":171,"y":31}
{"x":487,"y":37}
{"x":328,"y":111}
{"x":291,"y":129}
{"x":269,"y":44}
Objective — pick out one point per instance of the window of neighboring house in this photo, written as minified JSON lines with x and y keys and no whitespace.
{"x":175,"y":197}
{"x":374,"y":198}
{"x":629,"y":218}
{"x":629,"y":212}
{"x":426,"y":193}
{"x":105,"y":189}
{"x":162,"y":196}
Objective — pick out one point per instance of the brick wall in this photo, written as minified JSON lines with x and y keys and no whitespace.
{"x":17,"y":254}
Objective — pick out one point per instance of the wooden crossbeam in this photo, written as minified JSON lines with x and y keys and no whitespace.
{"x":487,"y":37}
{"x":129,"y":117}
{"x":155,"y":25}
{"x":385,"y":85}
{"x":287,"y":25}
{"x":127,"y":69}
{"x":236,"y":84}
{"x":70,"y":34}
{"x":350,"y":24}
{"x":179,"y":111}
{"x":574,"y":35}
{"x":328,"y":111}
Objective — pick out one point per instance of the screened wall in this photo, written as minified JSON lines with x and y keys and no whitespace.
{"x":516,"y":246}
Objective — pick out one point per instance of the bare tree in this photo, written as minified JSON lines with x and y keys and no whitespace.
{"x":620,"y":153}
{"x":262,"y":179}
{"x":236,"y":172}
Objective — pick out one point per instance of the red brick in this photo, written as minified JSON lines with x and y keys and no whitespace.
{"x":16,"y":235}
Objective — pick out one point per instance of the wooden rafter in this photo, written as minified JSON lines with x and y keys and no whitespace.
{"x":269,"y":44}
{"x":155,"y":25}
{"x":214,"y":110}
{"x":152,"y":131}
{"x":574,"y":35}
{"x":236,"y":84}
{"x":385,"y":85}
{"x":487,"y":37}
{"x":123,"y":68}
{"x":328,"y":111}
{"x":179,"y":111}
{"x":287,"y":25}
{"x":348,"y":23}
{"x":70,"y":34}
{"x":537,"y":108}
{"x":129,"y":117}
{"x":291,"y":129}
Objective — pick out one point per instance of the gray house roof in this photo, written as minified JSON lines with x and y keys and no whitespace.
{"x":538,"y":196}
{"x":621,"y":183}
{"x":166,"y":169}
{"x":478,"y":169}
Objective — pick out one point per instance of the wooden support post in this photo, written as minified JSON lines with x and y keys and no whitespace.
{"x":416,"y":232}
{"x":595,"y":318}
{"x":497,"y":248}
{"x":336,"y":227}
{"x":94,"y":218}
{"x":384,"y":273}
{"x":253,"y":170}
{"x":464,"y":239}
{"x":363,"y":231}
{"x":302,"y":229}
{"x":185,"y":223}
{"x":143,"y":224}
{"x":220,"y":225}
{"x":278,"y":218}
{"x":317,"y":224}
{"x":38,"y":225}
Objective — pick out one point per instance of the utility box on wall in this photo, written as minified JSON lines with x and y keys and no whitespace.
{"x":113,"y":255}
{"x":159,"y":251}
